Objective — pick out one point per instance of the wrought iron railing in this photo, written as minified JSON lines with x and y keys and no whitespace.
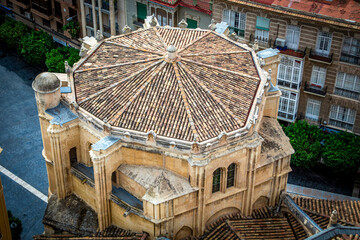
{"x":315,"y":89}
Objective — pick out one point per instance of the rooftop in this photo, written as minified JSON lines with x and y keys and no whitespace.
{"x":132,"y":82}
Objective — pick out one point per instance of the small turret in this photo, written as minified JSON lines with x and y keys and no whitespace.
{"x":47,"y":91}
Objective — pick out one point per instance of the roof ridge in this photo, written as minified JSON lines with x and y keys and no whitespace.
{"x":220,"y":69}
{"x":135,"y":48}
{"x":212,"y":95}
{"x":117,"y":83}
{"x":161,"y":39}
{"x":118,"y":65}
{"x":151,"y":77}
{"x":209,"y":54}
{"x":196,"y":40}
{"x":186,"y":103}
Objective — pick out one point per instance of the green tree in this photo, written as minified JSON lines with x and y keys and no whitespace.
{"x":55,"y":58}
{"x":15,"y":226}
{"x":34,"y":46}
{"x":11,"y":32}
{"x":73,"y":28}
{"x":306,"y":141}
{"x":342,"y":152}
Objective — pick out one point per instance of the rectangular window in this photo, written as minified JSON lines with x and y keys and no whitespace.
{"x":46,"y":23}
{"x":342,"y":117}
{"x":323,"y":44}
{"x":236,"y":21}
{"x":288,"y":106}
{"x":347,"y":85}
{"x":141,"y":10}
{"x":262,"y":29}
{"x":292,"y":37}
{"x":318,"y":77}
{"x":350,"y":51}
{"x":289,"y":74}
{"x":313,"y":109}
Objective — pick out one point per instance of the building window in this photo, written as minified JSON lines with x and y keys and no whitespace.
{"x":236,"y":21}
{"x":161,"y":17}
{"x":73,"y":156}
{"x":46,"y":23}
{"x":292,"y":37}
{"x":231,"y":171}
{"x":289,"y":74}
{"x":347,"y":85}
{"x":342,"y":117}
{"x":58,"y":12}
{"x":318,"y":77}
{"x":313,"y":109}
{"x":350,"y":51}
{"x":191,"y":23}
{"x":59,"y":27}
{"x":262,"y":29}
{"x":216,"y":180}
{"x":323,"y":44}
{"x":141,"y":11}
{"x":287,"y":106}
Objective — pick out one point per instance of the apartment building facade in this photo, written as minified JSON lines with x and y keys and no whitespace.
{"x":48,"y":15}
{"x":319,"y":44}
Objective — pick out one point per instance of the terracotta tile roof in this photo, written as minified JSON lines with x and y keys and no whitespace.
{"x":128,"y":82}
{"x":201,"y":5}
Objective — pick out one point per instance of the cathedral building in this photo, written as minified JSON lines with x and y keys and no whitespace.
{"x":161,"y":131}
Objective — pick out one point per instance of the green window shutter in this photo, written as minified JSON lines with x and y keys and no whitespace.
{"x":262,"y":23}
{"x":141,"y":10}
{"x":191,"y":23}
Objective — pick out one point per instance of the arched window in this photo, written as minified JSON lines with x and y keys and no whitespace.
{"x":231,"y":171}
{"x":216,"y":180}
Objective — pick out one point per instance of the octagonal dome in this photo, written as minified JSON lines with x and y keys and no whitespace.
{"x":46,"y":82}
{"x":208,"y":88}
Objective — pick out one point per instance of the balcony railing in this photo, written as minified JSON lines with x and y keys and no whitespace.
{"x":43,"y":7}
{"x":315,"y":89}
{"x":24,"y":2}
{"x":288,"y":84}
{"x":290,"y":52}
{"x":314,"y":56}
{"x":263,"y":42}
{"x":347,"y":93}
{"x":350,"y":58}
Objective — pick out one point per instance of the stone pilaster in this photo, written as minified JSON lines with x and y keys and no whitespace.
{"x":93,"y":6}
{"x":112,"y":18}
{"x":59,"y":166}
{"x":102,"y":198}
{"x":101,"y":27}
{"x":121,"y":14}
{"x":83,"y":19}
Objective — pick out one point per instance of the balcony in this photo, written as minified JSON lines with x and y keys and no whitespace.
{"x":315,"y":89}
{"x":290,"y":52}
{"x":263,"y":42}
{"x":84,"y":173}
{"x":288,"y":84}
{"x":347,"y":93}
{"x":352,"y":59}
{"x":313,"y":56}
{"x":23,"y":3}
{"x":43,"y":9}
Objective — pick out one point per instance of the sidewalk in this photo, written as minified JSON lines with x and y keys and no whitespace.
{"x":309,"y":192}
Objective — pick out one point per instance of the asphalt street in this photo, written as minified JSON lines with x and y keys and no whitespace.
{"x":20,"y":138}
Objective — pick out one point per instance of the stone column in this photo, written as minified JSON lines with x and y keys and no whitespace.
{"x":83,"y":18}
{"x":101,"y":27}
{"x":93,"y":4}
{"x":59,"y":167}
{"x":112,"y":18}
{"x":121,"y":14}
{"x":102,"y":201}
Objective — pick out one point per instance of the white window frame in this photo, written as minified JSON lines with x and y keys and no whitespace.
{"x":292,"y":37}
{"x":235,"y":20}
{"x":318,"y":77}
{"x":262,"y":35}
{"x":347,"y":85}
{"x":290,"y":75}
{"x":323,"y":44}
{"x":313,"y":109}
{"x":288,"y":105}
{"x":350,"y":49}
{"x":342,"y":117}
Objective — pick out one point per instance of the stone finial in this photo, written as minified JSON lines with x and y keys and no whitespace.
{"x":212,"y":25}
{"x":256,"y":45}
{"x":333,"y":219}
{"x":171,"y":52}
{"x":67,"y":70}
{"x":83,"y":51}
{"x":269,"y":75}
{"x":262,"y":62}
{"x":153,"y":21}
{"x":99,"y":36}
{"x":126,"y":29}
{"x":183,"y":24}
{"x":232,"y":36}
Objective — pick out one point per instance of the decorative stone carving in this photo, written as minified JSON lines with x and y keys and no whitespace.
{"x":126,"y":29}
{"x":212,"y":25}
{"x":99,"y":36}
{"x":183,"y":24}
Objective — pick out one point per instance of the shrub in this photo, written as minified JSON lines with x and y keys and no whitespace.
{"x":15,"y":226}
{"x":342,"y":152}
{"x":11,"y":32}
{"x":306,"y":141}
{"x":34,"y":46}
{"x":55,"y":58}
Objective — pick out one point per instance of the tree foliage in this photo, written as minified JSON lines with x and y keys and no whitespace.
{"x":56,"y":57}
{"x":11,"y":32}
{"x":15,"y":226}
{"x":73,"y":28}
{"x":34,"y":46}
{"x":306,"y":141}
{"x":342,"y":152}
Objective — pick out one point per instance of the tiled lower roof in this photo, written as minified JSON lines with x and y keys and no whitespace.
{"x":128,"y":82}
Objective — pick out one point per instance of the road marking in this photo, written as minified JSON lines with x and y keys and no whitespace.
{"x":24,"y":184}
